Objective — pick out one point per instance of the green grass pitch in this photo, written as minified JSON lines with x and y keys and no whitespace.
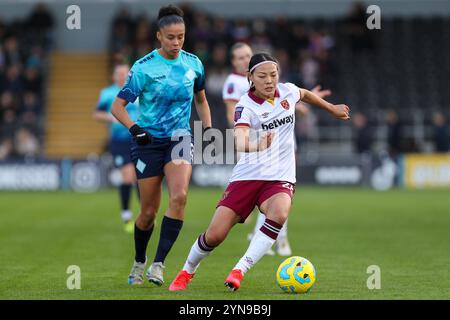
{"x":341,"y":231}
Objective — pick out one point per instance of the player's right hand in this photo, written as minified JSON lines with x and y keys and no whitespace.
{"x":266,"y":140}
{"x":141,"y":136}
{"x":341,"y":111}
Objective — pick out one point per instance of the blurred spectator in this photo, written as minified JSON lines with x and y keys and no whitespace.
{"x":241,"y":31}
{"x":23,"y":50}
{"x":122,"y":29}
{"x":217,"y":73}
{"x":12,"y":54}
{"x":30,"y":110}
{"x":260,"y":41}
{"x":40,"y":18}
{"x":355,"y":28}
{"x":7,"y":101}
{"x":202,"y":30}
{"x":36,"y":57}
{"x":222,"y":32}
{"x":285,"y":65}
{"x":2,"y":58}
{"x":394,"y":139}
{"x":309,"y":70}
{"x":13,"y":81}
{"x":6,"y":148}
{"x":143,"y":37}
{"x":32,"y":80}
{"x":299,"y":37}
{"x":9,"y":123}
{"x":202,"y":51}
{"x":305,"y":127}
{"x":441,"y":133}
{"x":25,"y":143}
{"x":363,"y":133}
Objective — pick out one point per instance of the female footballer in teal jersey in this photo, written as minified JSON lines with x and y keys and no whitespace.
{"x":166,"y":81}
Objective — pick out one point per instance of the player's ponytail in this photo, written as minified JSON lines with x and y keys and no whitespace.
{"x":256,"y":60}
{"x":169,"y":15}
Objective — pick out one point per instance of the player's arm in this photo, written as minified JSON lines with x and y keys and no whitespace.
{"x":302,"y":108}
{"x":101,"y":112}
{"x":120,"y":113}
{"x":243,"y":143}
{"x":118,"y":110}
{"x":230,"y":105}
{"x":340,"y":111}
{"x":202,"y":107}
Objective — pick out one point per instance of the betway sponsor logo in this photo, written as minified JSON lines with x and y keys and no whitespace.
{"x":278,"y":122}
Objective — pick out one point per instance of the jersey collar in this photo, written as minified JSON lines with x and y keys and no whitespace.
{"x":259,"y":100}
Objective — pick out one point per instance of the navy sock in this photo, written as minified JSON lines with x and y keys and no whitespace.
{"x":170,"y":228}
{"x":125,"y":191}
{"x":141,"y":238}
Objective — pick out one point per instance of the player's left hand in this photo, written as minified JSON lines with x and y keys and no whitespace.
{"x":317,"y":90}
{"x":341,"y":111}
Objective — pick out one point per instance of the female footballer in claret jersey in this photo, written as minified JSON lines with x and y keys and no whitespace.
{"x":265,"y":173}
{"x":166,"y":81}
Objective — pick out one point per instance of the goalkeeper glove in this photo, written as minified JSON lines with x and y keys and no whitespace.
{"x":141,"y":136}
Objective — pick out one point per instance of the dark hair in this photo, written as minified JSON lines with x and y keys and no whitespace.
{"x":260,"y":57}
{"x":236,"y":46}
{"x":169,"y":15}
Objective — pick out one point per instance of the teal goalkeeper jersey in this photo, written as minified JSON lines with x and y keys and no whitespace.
{"x":105,"y":101}
{"x":165,"y":89}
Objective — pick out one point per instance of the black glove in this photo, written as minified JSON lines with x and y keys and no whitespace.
{"x":141,"y":136}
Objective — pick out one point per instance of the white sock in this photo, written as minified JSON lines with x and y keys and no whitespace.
{"x":259,"y":222}
{"x":126,"y":215}
{"x":199,"y":251}
{"x":261,"y":242}
{"x":283,"y":231}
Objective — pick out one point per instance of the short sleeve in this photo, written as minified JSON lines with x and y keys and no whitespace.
{"x":242,"y":116}
{"x":199,"y":83}
{"x":230,"y":90}
{"x":134,"y":85}
{"x":103,"y":102}
{"x":295,"y":90}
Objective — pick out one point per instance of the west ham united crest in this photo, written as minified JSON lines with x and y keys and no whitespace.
{"x":285,"y":104}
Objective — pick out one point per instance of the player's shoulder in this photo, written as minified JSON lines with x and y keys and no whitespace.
{"x":189,"y":55}
{"x":287,"y":87}
{"x":191,"y":58}
{"x":144,"y":61}
{"x":247,"y":102}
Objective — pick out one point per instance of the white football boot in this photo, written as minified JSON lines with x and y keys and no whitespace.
{"x":155,"y":273}
{"x":136,"y":276}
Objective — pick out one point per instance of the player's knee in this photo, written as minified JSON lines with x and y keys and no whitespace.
{"x":214,"y":238}
{"x":178,"y":199}
{"x":149,"y":214}
{"x":279,"y":216}
{"x":128,"y":175}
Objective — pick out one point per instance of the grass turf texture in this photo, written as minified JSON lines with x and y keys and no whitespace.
{"x":341,"y":231}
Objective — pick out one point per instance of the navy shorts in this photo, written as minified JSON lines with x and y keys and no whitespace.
{"x":149,"y":160}
{"x":120,"y":150}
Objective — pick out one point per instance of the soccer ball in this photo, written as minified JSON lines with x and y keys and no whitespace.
{"x":296,"y":275}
